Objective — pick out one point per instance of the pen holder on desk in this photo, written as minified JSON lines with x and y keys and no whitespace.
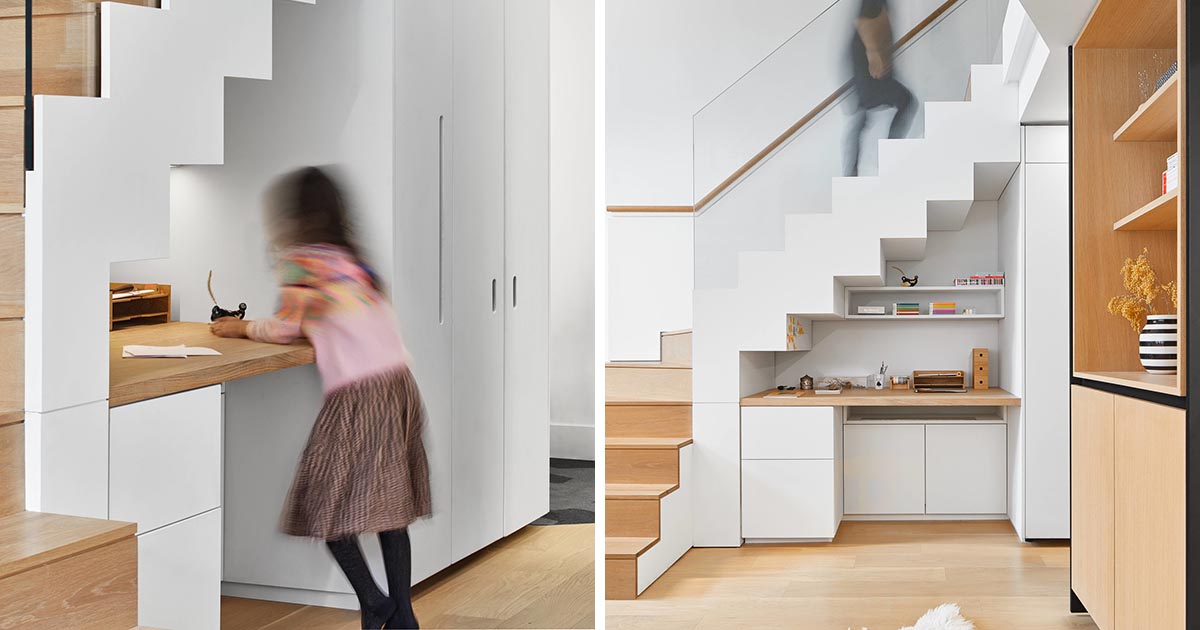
{"x":878,"y":380}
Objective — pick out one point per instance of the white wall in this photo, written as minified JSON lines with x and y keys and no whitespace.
{"x":650,"y":271}
{"x":855,"y":347}
{"x":665,"y":60}
{"x":572,"y":229}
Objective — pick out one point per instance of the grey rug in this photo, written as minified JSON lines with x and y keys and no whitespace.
{"x":572,"y":493}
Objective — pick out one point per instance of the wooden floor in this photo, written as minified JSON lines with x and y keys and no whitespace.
{"x":876,"y":575}
{"x":540,"y":577}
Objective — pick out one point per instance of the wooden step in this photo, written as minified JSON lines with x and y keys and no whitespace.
{"x":643,"y":460}
{"x":12,"y":266}
{"x":634,"y":420}
{"x":12,"y":152}
{"x":67,"y":572}
{"x":647,"y":382}
{"x":675,"y":347}
{"x":12,"y":464}
{"x":633,"y":510}
{"x":12,"y":367}
{"x":620,"y":565}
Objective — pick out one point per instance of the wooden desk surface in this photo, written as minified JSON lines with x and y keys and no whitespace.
{"x":993,"y":397}
{"x":131,"y":380}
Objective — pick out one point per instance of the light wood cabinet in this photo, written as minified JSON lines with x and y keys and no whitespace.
{"x":1151,"y":499}
{"x":1128,"y":499}
{"x":1092,"y":500}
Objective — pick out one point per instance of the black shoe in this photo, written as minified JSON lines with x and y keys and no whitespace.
{"x":378,"y":619}
{"x":403,"y":618}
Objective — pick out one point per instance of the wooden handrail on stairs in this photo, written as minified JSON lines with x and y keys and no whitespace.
{"x":783,"y":137}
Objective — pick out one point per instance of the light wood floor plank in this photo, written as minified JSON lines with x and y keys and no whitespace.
{"x":877,"y":575}
{"x":540,"y":577}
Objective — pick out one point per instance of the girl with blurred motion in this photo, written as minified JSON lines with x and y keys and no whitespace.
{"x":364,"y":468}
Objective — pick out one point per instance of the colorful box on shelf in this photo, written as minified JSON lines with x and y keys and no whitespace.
{"x":906,"y":308}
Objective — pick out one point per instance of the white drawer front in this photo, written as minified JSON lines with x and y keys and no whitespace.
{"x":787,"y":432}
{"x":179,"y":575}
{"x":966,"y":469}
{"x":788,"y":499}
{"x":884,"y":469}
{"x":165,"y":458}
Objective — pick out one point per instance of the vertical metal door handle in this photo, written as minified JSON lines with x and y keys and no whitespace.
{"x":493,"y":295}
{"x":514,"y":291}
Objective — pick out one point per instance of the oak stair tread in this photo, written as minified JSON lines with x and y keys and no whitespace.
{"x":32,"y":539}
{"x":657,"y":365}
{"x":638,"y":491}
{"x":647,"y":443}
{"x":621,"y":547}
{"x":11,"y":417}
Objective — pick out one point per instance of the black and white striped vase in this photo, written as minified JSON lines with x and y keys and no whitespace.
{"x":1158,"y":345}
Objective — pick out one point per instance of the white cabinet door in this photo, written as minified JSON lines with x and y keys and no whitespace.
{"x":179,"y":574}
{"x":884,"y":468}
{"x":477,"y":216}
{"x":526,"y":262}
{"x":421,"y":289}
{"x":165,"y":458}
{"x":966,"y":469}
{"x":1046,"y":435}
{"x":788,"y":498}
{"x":787,"y":432}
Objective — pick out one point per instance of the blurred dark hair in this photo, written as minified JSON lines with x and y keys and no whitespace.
{"x":306,"y":206}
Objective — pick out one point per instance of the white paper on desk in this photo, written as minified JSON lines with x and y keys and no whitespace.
{"x":164,"y":352}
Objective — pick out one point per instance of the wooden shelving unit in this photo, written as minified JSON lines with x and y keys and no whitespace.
{"x":1160,"y":214}
{"x":1157,"y":120}
{"x":1123,"y":132}
{"x":139,"y":304}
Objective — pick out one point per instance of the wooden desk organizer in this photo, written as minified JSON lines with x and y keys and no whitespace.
{"x":939,"y":380}
{"x":148,"y":304}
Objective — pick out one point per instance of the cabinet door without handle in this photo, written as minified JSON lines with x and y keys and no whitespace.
{"x":1150,"y":528}
{"x":884,"y":469}
{"x":1092,"y":567}
{"x":788,"y":498}
{"x":966,"y":469}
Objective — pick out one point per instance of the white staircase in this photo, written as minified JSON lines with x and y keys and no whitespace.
{"x":969,"y":152}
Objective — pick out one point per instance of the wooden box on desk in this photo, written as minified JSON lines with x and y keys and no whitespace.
{"x":138,"y":304}
{"x":938,"y":379}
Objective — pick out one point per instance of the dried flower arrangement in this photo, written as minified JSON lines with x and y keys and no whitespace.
{"x":1142,"y":284}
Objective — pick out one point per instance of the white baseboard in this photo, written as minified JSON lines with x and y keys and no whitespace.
{"x":925,"y":517}
{"x":573,"y":441}
{"x":290,"y":595}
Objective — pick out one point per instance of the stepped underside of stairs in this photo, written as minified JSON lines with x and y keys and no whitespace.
{"x":648,"y":421}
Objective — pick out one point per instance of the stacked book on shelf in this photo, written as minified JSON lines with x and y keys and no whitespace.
{"x":1170,"y":177}
{"x":979,"y":280}
{"x":906,"y":308}
{"x":943,"y":308}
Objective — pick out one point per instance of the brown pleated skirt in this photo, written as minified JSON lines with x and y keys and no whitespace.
{"x":364,"y":468}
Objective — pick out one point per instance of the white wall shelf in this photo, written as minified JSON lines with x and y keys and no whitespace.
{"x":988,"y":301}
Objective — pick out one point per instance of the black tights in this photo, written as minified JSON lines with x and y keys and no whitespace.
{"x":378,"y":610}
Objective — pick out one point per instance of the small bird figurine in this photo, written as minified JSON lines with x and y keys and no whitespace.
{"x":905,"y":280}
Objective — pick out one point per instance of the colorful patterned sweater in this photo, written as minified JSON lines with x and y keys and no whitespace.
{"x":328,"y":297}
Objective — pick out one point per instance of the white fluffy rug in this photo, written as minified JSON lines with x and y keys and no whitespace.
{"x":944,"y":617}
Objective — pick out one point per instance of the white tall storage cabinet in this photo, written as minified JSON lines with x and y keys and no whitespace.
{"x":500,"y":220}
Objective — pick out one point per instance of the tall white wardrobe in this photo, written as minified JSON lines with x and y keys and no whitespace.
{"x":499,"y":220}
{"x":471,"y":288}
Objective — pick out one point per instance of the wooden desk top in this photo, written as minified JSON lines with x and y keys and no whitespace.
{"x":993,"y":397}
{"x":131,"y":380}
